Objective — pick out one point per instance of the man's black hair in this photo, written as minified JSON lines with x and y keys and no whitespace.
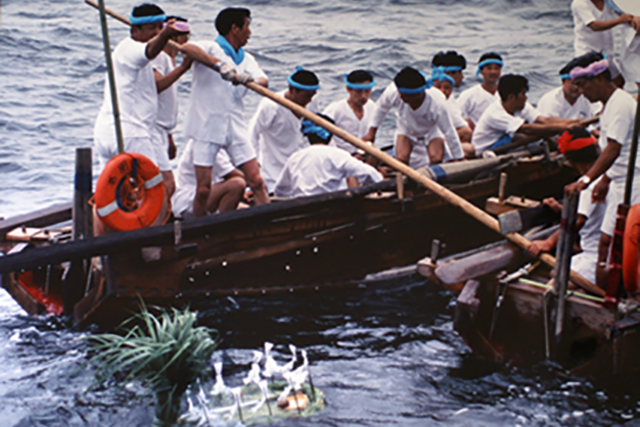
{"x":315,"y":138}
{"x":409,"y":78}
{"x":450,"y":58}
{"x":231,"y":16}
{"x":490,"y":55}
{"x":586,"y":60}
{"x":512,"y":84}
{"x":359,"y":76}
{"x":147,"y":9}
{"x":586,"y":154}
{"x":177,"y":18}
{"x":305,"y":77}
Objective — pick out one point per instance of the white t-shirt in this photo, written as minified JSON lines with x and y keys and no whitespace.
{"x":215,"y":112}
{"x":186,"y":181}
{"x":432,"y":114}
{"x":590,"y":231}
{"x":554,"y":104}
{"x":274,"y":132}
{"x":616,"y":122}
{"x":630,"y":61}
{"x":320,"y":169}
{"x":474,"y":101}
{"x":345,"y":118}
{"x":586,"y":40}
{"x":136,"y":88}
{"x":168,"y":98}
{"x":452,"y":108}
{"x":496,"y":122}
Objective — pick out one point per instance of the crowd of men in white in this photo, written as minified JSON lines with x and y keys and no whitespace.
{"x":279,"y":153}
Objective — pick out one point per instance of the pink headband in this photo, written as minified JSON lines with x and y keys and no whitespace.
{"x":181,"y":26}
{"x":592,"y":70}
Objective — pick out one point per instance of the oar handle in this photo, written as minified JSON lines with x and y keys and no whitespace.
{"x":369,"y":148}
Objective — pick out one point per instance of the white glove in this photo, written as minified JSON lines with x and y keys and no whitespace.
{"x":227,"y":72}
{"x":243,"y":79}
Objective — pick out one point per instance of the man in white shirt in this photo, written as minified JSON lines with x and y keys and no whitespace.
{"x":422,"y":120}
{"x":591,"y":73}
{"x":166,"y":73}
{"x":227,"y":185}
{"x":320,"y":168}
{"x":630,"y":60}
{"x":215,"y":115}
{"x":567,"y":101}
{"x":580,"y":149}
{"x":135,"y":85}
{"x":274,"y":130}
{"x":513,"y":119}
{"x":593,"y":27}
{"x":355,"y":112}
{"x":474,"y":101}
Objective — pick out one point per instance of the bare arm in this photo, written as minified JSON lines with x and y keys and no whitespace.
{"x":607,"y":25}
{"x":199,"y":55}
{"x":163,"y":82}
{"x":541,"y":130}
{"x":604,"y":162}
{"x":156,"y":44}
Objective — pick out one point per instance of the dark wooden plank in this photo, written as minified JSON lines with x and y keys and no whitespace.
{"x":40,"y":218}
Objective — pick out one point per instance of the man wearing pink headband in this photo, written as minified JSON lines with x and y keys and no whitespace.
{"x":591,"y":73}
{"x":166,"y":74}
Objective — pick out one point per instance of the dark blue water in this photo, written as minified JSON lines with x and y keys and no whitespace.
{"x":383,"y":355}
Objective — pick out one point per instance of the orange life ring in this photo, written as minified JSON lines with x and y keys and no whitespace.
{"x":130,"y":193}
{"x":630,"y":250}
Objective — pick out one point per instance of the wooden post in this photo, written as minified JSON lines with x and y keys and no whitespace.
{"x":400,"y":185}
{"x":564,"y":250}
{"x":82,"y":212}
{"x":502,"y":187}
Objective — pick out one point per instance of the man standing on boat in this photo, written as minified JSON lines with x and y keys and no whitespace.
{"x":567,"y":101}
{"x":275,"y":130}
{"x":514,"y":119}
{"x":580,"y":149}
{"x":591,"y":73}
{"x":474,"y":101}
{"x":215,"y":113}
{"x":320,"y":168}
{"x":166,"y":74}
{"x":422,"y":120}
{"x":354,"y":113}
{"x":136,"y":87}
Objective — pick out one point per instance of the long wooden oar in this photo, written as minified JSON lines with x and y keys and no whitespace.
{"x":369,"y":148}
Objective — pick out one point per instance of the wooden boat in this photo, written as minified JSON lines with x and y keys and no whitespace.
{"x":311,"y":243}
{"x":505,"y":311}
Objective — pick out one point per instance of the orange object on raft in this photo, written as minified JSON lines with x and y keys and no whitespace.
{"x":130,"y":194}
{"x":630,"y":250}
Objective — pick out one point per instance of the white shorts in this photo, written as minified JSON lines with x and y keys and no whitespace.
{"x":222,"y":167}
{"x":584,"y":264}
{"x":614,"y":198}
{"x":419,"y":156}
{"x":204,"y":152}
{"x":160,"y":138}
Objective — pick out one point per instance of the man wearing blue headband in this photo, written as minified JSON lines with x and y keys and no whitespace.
{"x":354,"y":113}
{"x":474,"y":101}
{"x":421,"y":122}
{"x":274,"y":130}
{"x":215,"y":115}
{"x":591,"y":73}
{"x":136,"y":87}
{"x":453,"y":64}
{"x":567,"y":101}
{"x":514,"y":119}
{"x":320,"y":168}
{"x":166,"y":74}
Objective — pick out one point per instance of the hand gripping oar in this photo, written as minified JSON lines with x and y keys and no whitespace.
{"x":369,"y":148}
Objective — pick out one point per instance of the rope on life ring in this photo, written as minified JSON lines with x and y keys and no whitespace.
{"x":129,"y":193}
{"x":630,"y":250}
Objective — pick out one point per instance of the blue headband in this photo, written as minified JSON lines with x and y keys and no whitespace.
{"x":308,"y":127}
{"x":438,"y":74}
{"x":565,"y":76}
{"x":141,"y":20}
{"x":359,"y":86}
{"x":300,"y":86}
{"x":487,"y":62}
{"x":417,"y":90}
{"x":450,"y":68}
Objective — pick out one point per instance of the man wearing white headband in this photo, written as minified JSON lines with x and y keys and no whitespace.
{"x":136,"y":86}
{"x":474,"y":101}
{"x":593,"y":22}
{"x":215,"y":115}
{"x":354,"y":113}
{"x":591,"y":73}
{"x":274,"y":130}
{"x":422,"y":121}
{"x":166,"y":74}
